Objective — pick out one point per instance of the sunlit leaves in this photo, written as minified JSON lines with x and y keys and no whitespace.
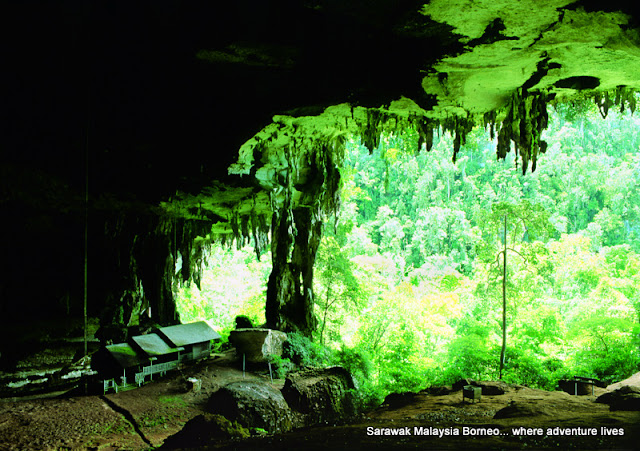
{"x":233,"y":284}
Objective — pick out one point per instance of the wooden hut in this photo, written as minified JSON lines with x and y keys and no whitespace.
{"x":161,"y":357}
{"x":118,"y":365}
{"x":129,"y":364}
{"x":195,"y":338}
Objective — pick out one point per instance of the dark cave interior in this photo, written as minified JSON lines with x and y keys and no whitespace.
{"x":225,"y":120}
{"x":153,"y":129}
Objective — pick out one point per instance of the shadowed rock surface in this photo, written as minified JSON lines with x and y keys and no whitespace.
{"x":626,"y":397}
{"x":204,"y":429}
{"x":257,"y":345}
{"x":253,"y":404}
{"x":162,"y":409}
{"x":322,"y":395}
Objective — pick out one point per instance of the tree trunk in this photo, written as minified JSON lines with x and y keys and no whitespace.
{"x":504,"y":300}
{"x":326,"y":310}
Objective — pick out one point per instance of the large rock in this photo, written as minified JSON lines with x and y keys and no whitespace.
{"x":518,"y":409}
{"x":632,"y":381}
{"x":321,"y":394}
{"x":489,"y":388}
{"x":398,"y":400}
{"x":438,"y":390}
{"x":202,"y":430}
{"x":493,"y":388}
{"x":258,"y":345}
{"x":253,"y":404}
{"x":624,"y":398}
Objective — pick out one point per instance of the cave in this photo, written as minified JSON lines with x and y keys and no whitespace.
{"x":136,"y":135}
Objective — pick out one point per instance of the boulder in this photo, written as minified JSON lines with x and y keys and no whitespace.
{"x":493,"y":388}
{"x":438,"y":390}
{"x":523,"y":410}
{"x":632,"y":381}
{"x":202,"y":429}
{"x":489,"y":388}
{"x":257,"y":345}
{"x":462,"y":382}
{"x":397,"y":400}
{"x":624,"y":398}
{"x":321,"y":395}
{"x":254,"y":404}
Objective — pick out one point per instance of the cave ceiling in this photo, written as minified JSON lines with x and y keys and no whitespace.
{"x":221,"y":113}
{"x":168,"y":96}
{"x":458,"y":62}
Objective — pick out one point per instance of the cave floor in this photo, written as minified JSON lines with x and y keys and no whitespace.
{"x":143,"y":418}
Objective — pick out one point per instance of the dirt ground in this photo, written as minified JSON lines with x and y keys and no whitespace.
{"x":143,"y":418}
{"x":129,"y":420}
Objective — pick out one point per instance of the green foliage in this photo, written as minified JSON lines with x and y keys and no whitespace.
{"x":281,"y":366}
{"x":408,"y":281}
{"x":337,"y":290}
{"x":303,"y":352}
{"x":361,"y":366}
{"x":234,"y":284}
{"x":471,"y":355}
{"x":533,"y":370}
{"x":440,"y":225}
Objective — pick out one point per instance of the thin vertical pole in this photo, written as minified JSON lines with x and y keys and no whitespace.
{"x":504,"y":300}
{"x":86,"y":234}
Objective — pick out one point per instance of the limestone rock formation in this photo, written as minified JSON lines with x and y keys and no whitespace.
{"x":633,"y":380}
{"x":626,"y":397}
{"x":226,"y":122}
{"x":489,"y":388}
{"x":321,"y":394}
{"x":309,"y":397}
{"x":253,"y":404}
{"x":257,"y":345}
{"x":204,"y":429}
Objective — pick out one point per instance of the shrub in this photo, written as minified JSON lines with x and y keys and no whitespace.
{"x":281,"y":366}
{"x":303,"y":352}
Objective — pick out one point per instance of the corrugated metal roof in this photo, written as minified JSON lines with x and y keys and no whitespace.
{"x":188,"y":334}
{"x":153,"y":345}
{"x":125,"y":355}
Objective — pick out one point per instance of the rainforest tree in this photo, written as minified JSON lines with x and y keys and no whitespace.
{"x":412,"y":284}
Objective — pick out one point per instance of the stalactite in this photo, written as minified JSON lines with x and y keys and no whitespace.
{"x":296,"y":228}
{"x":489,"y":120}
{"x":370,"y":132}
{"x":425,"y":133}
{"x":458,"y":127}
{"x":525,"y":119}
{"x":623,"y":96}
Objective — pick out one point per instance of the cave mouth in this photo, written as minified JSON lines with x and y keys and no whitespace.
{"x":412,"y":266}
{"x":233,"y":283}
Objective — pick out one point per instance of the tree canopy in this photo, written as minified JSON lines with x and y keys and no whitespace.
{"x":410,"y":281}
